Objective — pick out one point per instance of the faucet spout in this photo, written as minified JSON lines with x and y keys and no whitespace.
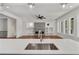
{"x":41,"y":40}
{"x":41,"y":37}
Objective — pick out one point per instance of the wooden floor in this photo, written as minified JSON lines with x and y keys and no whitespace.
{"x":44,"y":37}
{"x":8,"y":38}
{"x":34,"y":37}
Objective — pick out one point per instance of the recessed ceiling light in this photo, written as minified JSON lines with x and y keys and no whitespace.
{"x":31,"y":5}
{"x":70,"y":6}
{"x":7,"y":7}
{"x":63,"y":5}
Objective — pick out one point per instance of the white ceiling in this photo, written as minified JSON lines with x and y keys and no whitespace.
{"x":49,"y":10}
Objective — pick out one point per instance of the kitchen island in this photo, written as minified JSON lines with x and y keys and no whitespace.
{"x":65,"y":46}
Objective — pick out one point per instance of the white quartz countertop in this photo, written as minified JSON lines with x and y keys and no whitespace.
{"x":17,"y":46}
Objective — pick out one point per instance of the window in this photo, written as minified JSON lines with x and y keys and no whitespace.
{"x":58,"y":25}
{"x":66,"y":26}
{"x":62,"y":27}
{"x":72,"y":25}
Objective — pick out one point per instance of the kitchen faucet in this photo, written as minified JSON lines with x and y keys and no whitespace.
{"x":41,"y":35}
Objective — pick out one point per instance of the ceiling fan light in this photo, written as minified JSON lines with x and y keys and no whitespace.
{"x":31,"y":5}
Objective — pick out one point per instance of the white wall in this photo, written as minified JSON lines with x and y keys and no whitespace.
{"x":73,"y":14}
{"x":77,"y":22}
{"x":3,"y":23}
{"x":10,"y":23}
{"x":11,"y":27}
{"x":27,"y":30}
{"x":3,"y":26}
{"x":23,"y":27}
{"x":19,"y":27}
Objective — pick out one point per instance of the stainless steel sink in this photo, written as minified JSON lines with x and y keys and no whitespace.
{"x":41,"y":46}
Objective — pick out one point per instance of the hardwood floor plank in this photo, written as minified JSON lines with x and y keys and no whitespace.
{"x":34,"y":37}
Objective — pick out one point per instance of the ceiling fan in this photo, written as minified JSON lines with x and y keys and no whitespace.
{"x":40,"y":17}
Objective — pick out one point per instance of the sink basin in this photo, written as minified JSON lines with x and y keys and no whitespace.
{"x":41,"y":46}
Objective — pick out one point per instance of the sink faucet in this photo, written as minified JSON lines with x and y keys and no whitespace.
{"x":41,"y":35}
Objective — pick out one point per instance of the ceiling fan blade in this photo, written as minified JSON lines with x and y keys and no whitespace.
{"x":38,"y":16}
